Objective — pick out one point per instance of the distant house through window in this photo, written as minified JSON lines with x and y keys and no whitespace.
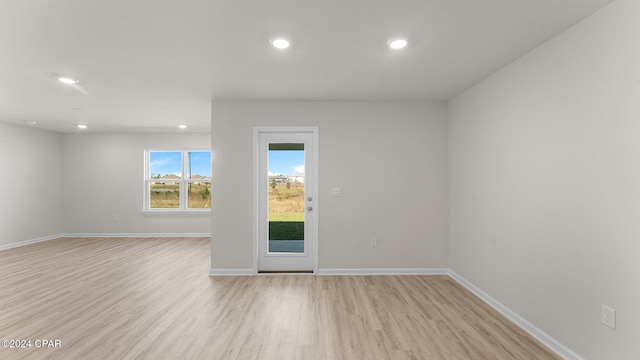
{"x":177,"y":180}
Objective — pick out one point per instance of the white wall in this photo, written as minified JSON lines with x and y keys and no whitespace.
{"x":30,"y":184}
{"x":389,"y":158}
{"x":545,"y":184}
{"x":103,"y":177}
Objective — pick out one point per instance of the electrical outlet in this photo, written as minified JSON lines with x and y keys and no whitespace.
{"x":608,"y":317}
{"x":373,"y":242}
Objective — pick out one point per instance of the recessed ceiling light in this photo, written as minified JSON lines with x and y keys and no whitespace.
{"x":182,"y":126}
{"x":280,"y":43}
{"x":397,"y":43}
{"x":67,"y":80}
{"x":81,"y":126}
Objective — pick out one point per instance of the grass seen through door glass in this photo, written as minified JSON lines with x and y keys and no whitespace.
{"x":286,"y":203}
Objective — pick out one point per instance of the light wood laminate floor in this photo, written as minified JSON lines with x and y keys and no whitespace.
{"x":151,"y":298}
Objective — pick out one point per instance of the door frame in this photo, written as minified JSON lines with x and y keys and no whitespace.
{"x":257,"y":130}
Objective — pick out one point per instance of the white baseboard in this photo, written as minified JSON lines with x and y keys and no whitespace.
{"x":117,"y":235}
{"x":383,"y":271}
{"x":534,"y":331}
{"x":231,"y":272}
{"x":29,"y":242}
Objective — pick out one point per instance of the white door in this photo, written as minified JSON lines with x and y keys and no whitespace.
{"x":286,"y":199}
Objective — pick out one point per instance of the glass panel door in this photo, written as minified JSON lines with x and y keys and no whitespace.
{"x":285,"y":201}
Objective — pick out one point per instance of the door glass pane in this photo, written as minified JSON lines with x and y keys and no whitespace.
{"x":286,"y":198}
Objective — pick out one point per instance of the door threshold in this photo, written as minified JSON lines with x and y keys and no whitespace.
{"x":285,"y":272}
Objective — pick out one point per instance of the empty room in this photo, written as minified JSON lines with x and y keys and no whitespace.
{"x":412,"y":179}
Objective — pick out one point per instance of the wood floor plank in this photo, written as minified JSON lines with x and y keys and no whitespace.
{"x":151,"y":298}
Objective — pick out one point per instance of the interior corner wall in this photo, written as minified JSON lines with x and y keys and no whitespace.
{"x":544,"y":173}
{"x":389,"y":158}
{"x":31,"y":183}
{"x":104,"y":182}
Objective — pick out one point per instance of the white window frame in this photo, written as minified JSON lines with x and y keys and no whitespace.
{"x":183,"y":183}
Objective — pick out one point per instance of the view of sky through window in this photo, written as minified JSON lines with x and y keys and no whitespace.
{"x":170,"y":162}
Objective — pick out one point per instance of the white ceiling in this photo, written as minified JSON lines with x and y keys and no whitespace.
{"x":149,"y":65}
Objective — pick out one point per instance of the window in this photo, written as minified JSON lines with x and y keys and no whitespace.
{"x":177,"y":180}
